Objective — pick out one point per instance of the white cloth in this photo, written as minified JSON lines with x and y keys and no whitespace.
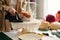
{"x":50,"y":38}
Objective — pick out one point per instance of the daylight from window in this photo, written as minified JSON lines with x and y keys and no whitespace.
{"x":51,"y":7}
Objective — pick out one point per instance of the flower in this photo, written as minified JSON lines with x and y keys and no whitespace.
{"x":50,"y":18}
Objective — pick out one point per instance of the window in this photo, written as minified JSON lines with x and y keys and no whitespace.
{"x":31,"y":6}
{"x":51,"y":7}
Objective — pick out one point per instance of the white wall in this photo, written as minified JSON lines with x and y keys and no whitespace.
{"x":51,"y":7}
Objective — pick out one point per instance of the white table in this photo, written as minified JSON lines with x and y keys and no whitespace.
{"x":14,"y":35}
{"x":30,"y":25}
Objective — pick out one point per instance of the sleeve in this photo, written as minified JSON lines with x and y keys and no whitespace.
{"x":18,"y":17}
{"x":7,"y":16}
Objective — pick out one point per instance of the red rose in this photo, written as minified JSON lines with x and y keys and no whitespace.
{"x":50,"y":18}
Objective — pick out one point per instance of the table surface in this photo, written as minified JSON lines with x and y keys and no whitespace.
{"x":14,"y":35}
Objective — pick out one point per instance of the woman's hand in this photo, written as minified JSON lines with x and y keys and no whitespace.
{"x":25,"y":14}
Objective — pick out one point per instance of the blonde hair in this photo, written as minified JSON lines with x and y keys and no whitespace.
{"x":20,"y":4}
